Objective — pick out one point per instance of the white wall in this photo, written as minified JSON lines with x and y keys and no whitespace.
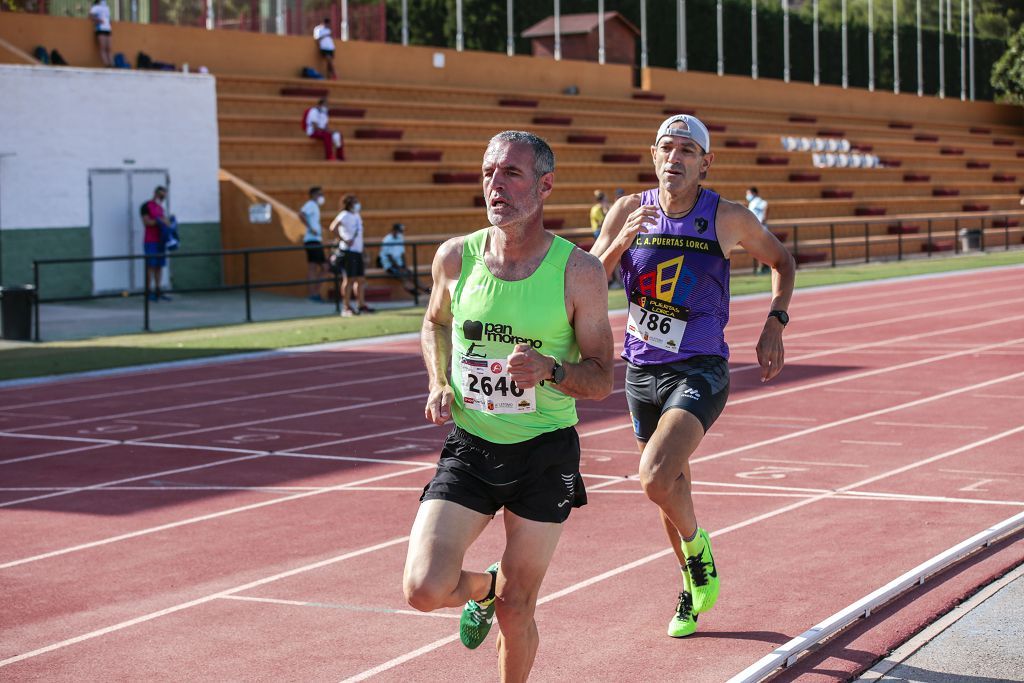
{"x":61,"y":122}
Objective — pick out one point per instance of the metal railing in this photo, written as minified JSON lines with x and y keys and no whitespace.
{"x":247,"y":286}
{"x":963,"y":228}
{"x":983,"y":226}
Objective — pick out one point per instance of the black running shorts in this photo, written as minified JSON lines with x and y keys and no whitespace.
{"x":537,"y":479}
{"x":698,"y":385}
{"x":315,"y":252}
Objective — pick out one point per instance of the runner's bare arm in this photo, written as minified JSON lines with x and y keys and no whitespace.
{"x":587,"y":307}
{"x":739,"y":227}
{"x":436,"y":333}
{"x":625,"y":219}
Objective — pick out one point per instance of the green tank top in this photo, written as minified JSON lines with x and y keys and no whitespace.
{"x":491,"y":316}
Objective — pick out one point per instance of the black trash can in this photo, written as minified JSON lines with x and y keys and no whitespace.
{"x":969,"y":239}
{"x":16,"y":305}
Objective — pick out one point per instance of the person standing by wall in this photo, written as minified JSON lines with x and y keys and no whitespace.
{"x":324,"y":40}
{"x":100,"y":15}
{"x":598,"y":211}
{"x":316,"y":264}
{"x":315,"y":123}
{"x":349,"y":226}
{"x":153,"y":243}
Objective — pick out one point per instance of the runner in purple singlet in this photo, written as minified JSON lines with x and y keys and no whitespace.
{"x":673,"y":244}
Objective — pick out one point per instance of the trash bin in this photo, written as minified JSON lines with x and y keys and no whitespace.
{"x":16,"y":304}
{"x":969,"y":239}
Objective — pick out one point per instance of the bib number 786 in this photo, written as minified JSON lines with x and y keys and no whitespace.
{"x":655,"y":322}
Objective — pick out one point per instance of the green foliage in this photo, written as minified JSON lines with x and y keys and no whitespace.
{"x":1008,"y":72}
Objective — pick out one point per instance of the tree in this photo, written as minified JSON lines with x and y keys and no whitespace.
{"x":1008,"y":72}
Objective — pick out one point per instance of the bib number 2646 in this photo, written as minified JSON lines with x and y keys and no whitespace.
{"x":487,"y":387}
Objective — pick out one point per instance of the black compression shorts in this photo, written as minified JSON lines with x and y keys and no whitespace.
{"x":698,"y":385}
{"x":537,"y":479}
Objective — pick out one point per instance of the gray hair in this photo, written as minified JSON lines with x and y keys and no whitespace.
{"x":543,"y":157}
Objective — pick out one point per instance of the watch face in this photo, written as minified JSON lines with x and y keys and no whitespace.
{"x":782,"y":316}
{"x":559,"y":374}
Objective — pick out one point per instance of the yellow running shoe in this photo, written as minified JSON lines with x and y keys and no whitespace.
{"x":684,"y":622}
{"x":703,"y":574}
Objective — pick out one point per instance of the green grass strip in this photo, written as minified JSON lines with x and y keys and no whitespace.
{"x":54,"y":358}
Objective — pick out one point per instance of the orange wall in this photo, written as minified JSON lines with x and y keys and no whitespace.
{"x":697,"y":88}
{"x":240,"y":52}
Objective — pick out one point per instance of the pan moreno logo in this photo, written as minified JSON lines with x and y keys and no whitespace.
{"x":477,"y":330}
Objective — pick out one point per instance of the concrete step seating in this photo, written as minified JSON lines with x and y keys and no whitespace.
{"x":419,"y":164}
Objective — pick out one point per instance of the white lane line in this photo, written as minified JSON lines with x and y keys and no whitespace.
{"x":1002,"y":396}
{"x":857,"y":418}
{"x":398,"y":661}
{"x":80,"y":489}
{"x":221,"y":401}
{"x":772,"y":418}
{"x":158,"y":386}
{"x":860,"y":442}
{"x":213,"y":596}
{"x":998,"y":474}
{"x":50,"y":454}
{"x":875,"y":391}
{"x":928,"y":425}
{"x":347,"y":608}
{"x":278,"y":430}
{"x":199,"y":601}
{"x":806,"y":462}
{"x":158,"y":424}
{"x":201,"y":518}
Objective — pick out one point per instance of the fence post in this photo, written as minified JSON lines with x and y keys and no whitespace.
{"x":899,"y":240}
{"x":35,"y":301}
{"x":796,"y":245}
{"x":982,"y":236}
{"x":415,"y":275}
{"x":145,"y":297}
{"x":867,"y":244}
{"x":248,"y":296}
{"x":832,"y":242}
{"x":1006,"y":232}
{"x":929,"y":238}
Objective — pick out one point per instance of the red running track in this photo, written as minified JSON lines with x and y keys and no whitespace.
{"x":247,"y":518}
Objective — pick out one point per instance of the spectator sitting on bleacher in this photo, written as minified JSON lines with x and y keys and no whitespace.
{"x":392,"y":257}
{"x":322,"y":36}
{"x":314,"y":122}
{"x":100,"y":15}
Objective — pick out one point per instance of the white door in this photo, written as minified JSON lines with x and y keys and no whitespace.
{"x":141,"y":185}
{"x":110,"y":225}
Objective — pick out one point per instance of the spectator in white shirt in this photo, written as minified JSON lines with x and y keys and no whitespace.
{"x":100,"y":15}
{"x":349,"y":259}
{"x":316,"y":264}
{"x":759,"y":207}
{"x":322,"y":36}
{"x":315,"y":123}
{"x":392,"y":257}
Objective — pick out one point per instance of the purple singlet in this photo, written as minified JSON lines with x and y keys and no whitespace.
{"x":677,"y":281}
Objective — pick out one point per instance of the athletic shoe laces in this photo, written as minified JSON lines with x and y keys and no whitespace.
{"x":479,"y":614}
{"x":685,"y":606}
{"x":698,"y":570}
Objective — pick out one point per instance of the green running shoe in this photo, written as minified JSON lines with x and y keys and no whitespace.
{"x":684,"y":622}
{"x":703,"y":576}
{"x":477,"y":618}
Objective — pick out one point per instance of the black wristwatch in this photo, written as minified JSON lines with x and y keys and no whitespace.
{"x":781,"y":316}
{"x":557,"y":373}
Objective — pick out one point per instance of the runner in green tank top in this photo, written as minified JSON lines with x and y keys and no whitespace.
{"x":516,"y":330}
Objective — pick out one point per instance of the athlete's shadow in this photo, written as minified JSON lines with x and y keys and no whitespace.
{"x":764,"y":636}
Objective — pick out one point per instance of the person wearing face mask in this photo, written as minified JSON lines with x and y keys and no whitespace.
{"x":349,"y":259}
{"x":759,"y":207}
{"x":672,"y":244}
{"x":316,"y":264}
{"x":314,"y":122}
{"x":153,"y":213}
